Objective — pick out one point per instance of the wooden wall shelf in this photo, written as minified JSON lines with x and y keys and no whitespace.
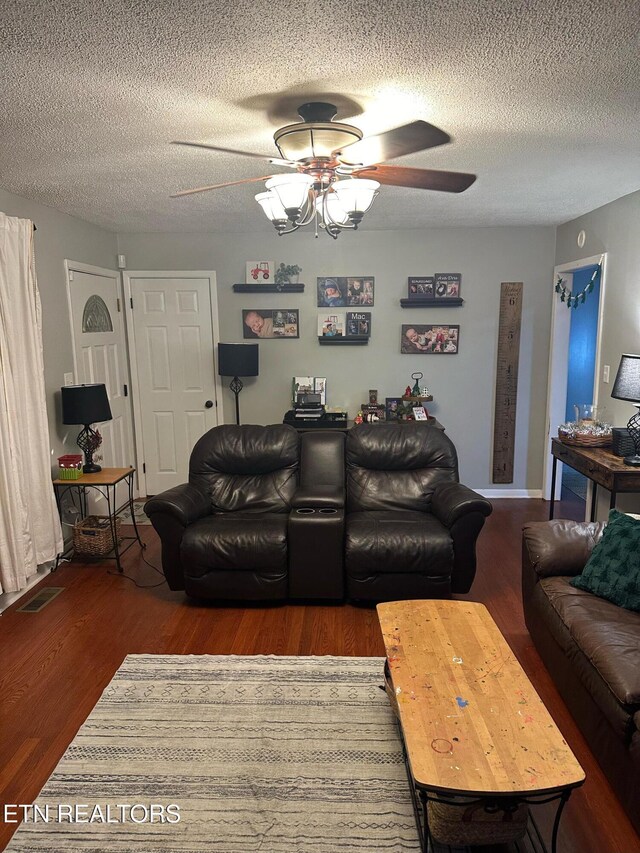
{"x":417,"y":399}
{"x":268,"y":288}
{"x":351,"y":341}
{"x":432,"y":302}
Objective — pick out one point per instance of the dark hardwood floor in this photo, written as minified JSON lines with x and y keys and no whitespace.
{"x":56,"y":663}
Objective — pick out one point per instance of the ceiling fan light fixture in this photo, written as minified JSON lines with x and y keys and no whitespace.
{"x":273,"y":209}
{"x":356,"y":196}
{"x":292,"y":192}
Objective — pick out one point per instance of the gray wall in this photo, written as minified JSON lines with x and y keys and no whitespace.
{"x":615,"y":229}
{"x":462,"y":385}
{"x":59,"y":236}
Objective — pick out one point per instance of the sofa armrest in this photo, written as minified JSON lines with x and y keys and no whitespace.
{"x":561,"y":546}
{"x":185,"y":503}
{"x":318,"y":497}
{"x":451,"y":501}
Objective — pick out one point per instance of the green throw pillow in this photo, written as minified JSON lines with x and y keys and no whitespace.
{"x":613,"y":569}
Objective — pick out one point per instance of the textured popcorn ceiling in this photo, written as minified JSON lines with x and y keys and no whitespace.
{"x":541,"y":97}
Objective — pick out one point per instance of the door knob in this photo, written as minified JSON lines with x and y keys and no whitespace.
{"x":208,"y":404}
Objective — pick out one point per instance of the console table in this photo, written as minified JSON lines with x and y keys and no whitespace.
{"x":599,"y":465}
{"x":104,"y":482}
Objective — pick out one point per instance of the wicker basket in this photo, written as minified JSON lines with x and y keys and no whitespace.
{"x":457,"y":825}
{"x":585,"y":439}
{"x":93,"y":535}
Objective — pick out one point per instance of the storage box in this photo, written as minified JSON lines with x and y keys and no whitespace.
{"x":622,"y":443}
{"x":70,"y":466}
{"x":93,"y":535}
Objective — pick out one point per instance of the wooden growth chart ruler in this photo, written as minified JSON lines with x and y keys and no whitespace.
{"x":504,"y":424}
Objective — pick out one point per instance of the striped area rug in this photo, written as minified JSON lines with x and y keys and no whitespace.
{"x":268,"y":754}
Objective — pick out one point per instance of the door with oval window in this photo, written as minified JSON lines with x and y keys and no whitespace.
{"x":100,"y":355}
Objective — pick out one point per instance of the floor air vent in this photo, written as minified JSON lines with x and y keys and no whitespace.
{"x":40,"y":599}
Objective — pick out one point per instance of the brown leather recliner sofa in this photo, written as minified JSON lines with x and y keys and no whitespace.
{"x":270,"y":514}
{"x":590,"y":646}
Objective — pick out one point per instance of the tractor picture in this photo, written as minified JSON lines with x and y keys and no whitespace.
{"x":262,"y":269}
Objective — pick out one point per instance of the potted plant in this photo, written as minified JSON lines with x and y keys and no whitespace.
{"x":287,"y":274}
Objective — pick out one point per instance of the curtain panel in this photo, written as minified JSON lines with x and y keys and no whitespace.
{"x":30,"y":530}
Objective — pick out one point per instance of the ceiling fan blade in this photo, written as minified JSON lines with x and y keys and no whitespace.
{"x":421,"y":179}
{"x":406,"y":139}
{"x":276,"y":160}
{"x":219,"y":186}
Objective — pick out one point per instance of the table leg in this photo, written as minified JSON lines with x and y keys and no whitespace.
{"x":594,"y":496}
{"x":553,"y":486}
{"x":131,"y":510}
{"x":114,"y":523}
{"x":556,"y":823}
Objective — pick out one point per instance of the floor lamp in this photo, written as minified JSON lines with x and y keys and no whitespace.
{"x":627,"y":387}
{"x":237,"y":360}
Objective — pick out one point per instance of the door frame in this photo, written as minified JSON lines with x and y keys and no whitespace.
{"x":129,"y":292}
{"x":71,"y":266}
{"x":558,"y":363}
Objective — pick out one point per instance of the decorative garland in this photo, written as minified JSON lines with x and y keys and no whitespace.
{"x":573,"y":300}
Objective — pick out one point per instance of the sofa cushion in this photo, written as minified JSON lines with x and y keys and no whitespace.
{"x":236,"y":541}
{"x":247,"y":468}
{"x":395,"y":543}
{"x":393,"y":467}
{"x":613,"y":569}
{"x":608,"y":635}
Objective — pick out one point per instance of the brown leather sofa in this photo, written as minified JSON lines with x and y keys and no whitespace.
{"x":269,"y":514}
{"x":590,"y":646}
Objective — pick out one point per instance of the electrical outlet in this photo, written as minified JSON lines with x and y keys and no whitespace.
{"x":68,"y":379}
{"x":605,"y":373}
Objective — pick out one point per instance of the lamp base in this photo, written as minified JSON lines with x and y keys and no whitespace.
{"x":632,"y":460}
{"x":90,"y":467}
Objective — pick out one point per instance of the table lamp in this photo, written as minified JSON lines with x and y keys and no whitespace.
{"x":627,"y":387}
{"x":237,"y":360}
{"x":86,"y":404}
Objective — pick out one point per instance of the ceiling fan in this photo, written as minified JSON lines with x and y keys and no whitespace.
{"x":337,"y":171}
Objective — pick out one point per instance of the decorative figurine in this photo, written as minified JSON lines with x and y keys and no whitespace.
{"x":416,"y":388}
{"x":424,"y":391}
{"x":407,"y":391}
{"x":358,"y":418}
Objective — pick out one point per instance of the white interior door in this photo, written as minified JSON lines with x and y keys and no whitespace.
{"x":100,"y":354}
{"x":173,"y":331}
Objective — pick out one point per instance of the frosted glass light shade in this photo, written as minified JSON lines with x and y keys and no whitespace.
{"x":273,"y":209}
{"x":291,"y":190}
{"x":356,"y":194}
{"x":335,"y":212}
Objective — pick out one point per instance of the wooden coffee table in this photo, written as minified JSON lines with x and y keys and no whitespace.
{"x":474,"y":728}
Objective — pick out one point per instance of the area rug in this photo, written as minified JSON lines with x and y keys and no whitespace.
{"x":268,"y":754}
{"x":138,"y":509}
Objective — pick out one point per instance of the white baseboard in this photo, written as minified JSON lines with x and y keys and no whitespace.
{"x":509,"y":493}
{"x":8,"y":598}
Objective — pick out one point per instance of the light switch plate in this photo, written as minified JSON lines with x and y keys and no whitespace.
{"x":68,"y":379}
{"x":605,"y":373}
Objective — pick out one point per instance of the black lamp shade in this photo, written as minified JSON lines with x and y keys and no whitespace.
{"x":238,"y":359}
{"x":627,"y":384}
{"x":85,"y":404}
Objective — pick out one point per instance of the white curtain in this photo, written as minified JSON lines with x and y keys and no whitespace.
{"x":30,"y":531}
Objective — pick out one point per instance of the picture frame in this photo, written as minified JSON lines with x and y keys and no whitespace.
{"x":447,"y":285}
{"x":420,"y":286}
{"x":332,"y":324}
{"x":393,"y":408}
{"x":358,"y":324}
{"x":270,"y":323}
{"x":260,"y":272}
{"x":420,"y":413}
{"x":345,"y":291}
{"x":432,"y":339}
{"x":372,"y":414}
{"x":309,"y":385}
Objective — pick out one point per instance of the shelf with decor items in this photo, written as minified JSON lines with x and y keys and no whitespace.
{"x":418,"y":400}
{"x":432,"y":302}
{"x":268,"y":288}
{"x":349,"y":340}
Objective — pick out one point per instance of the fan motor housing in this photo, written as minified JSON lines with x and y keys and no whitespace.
{"x":316,"y":137}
